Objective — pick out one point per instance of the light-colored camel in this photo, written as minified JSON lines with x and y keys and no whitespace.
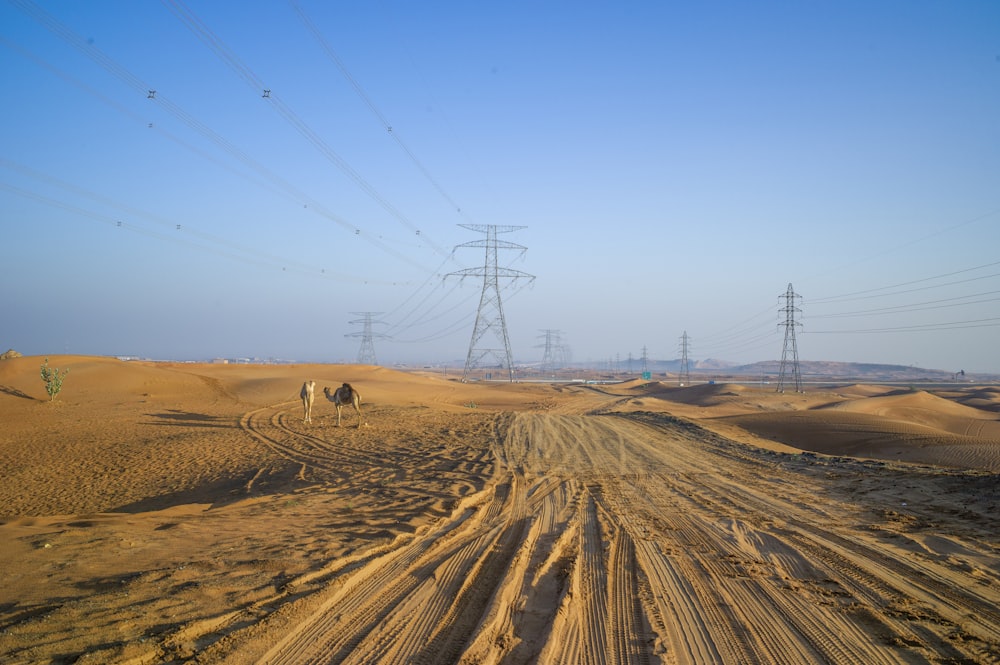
{"x":307,"y":394}
{"x":343,"y":396}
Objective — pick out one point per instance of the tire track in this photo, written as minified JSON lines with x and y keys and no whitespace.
{"x":627,"y":540}
{"x":625,"y":629}
{"x":359,"y":609}
{"x":867,"y":567}
{"x":858,"y":572}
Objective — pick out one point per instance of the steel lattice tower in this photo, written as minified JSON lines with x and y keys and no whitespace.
{"x":684,"y":375}
{"x":489,"y":316}
{"x":790,"y":352}
{"x":553,"y":355}
{"x":366,"y":354}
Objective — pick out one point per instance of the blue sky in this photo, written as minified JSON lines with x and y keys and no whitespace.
{"x":675,"y":166}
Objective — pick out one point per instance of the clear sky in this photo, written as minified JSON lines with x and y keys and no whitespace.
{"x":675,"y":166}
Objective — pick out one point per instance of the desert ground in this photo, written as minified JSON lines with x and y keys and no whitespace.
{"x":185,"y":513}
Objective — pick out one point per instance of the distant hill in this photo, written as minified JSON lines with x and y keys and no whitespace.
{"x":811,"y":370}
{"x":864,"y":372}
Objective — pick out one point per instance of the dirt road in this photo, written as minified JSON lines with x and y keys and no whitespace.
{"x":641,"y":538}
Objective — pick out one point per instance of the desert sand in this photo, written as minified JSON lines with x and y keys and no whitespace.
{"x":174,"y":513}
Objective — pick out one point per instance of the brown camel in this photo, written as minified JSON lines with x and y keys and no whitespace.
{"x":343,"y":396}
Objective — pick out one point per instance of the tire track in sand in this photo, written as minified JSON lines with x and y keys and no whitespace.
{"x":628,"y":539}
{"x":392,"y":605}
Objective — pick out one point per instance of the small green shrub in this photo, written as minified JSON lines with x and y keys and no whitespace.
{"x":53,"y":379}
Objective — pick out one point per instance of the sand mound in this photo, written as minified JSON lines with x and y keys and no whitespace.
{"x":858,"y":390}
{"x":708,"y":394}
{"x":982,"y":398}
{"x":930,"y":411}
{"x":946,"y":440}
{"x":727,"y":399}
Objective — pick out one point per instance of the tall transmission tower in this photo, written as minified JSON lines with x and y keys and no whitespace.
{"x":366,"y":354}
{"x":553,"y":356}
{"x":790,"y":352}
{"x":684,"y":375}
{"x":490,"y":317}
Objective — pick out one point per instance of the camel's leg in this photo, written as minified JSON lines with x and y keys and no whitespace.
{"x":338,"y":414}
{"x":357,"y":407}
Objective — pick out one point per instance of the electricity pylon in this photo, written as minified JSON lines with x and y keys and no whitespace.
{"x":555,"y":352}
{"x":366,"y":354}
{"x":790,"y":352}
{"x":490,"y":317}
{"x":550,"y":345}
{"x":684,"y":375}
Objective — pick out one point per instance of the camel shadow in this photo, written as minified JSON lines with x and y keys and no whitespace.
{"x":220,"y":491}
{"x":180,"y":418}
{"x":14,"y":392}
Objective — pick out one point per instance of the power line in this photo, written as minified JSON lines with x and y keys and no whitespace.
{"x":137,"y":85}
{"x":914,"y":307}
{"x":897,"y":289}
{"x":439,"y":334}
{"x":218,"y":245}
{"x":738,"y":336}
{"x":913,"y":241}
{"x":155,"y":127}
{"x":462,"y":322}
{"x":233,"y":61}
{"x":386,"y":125}
{"x":406,"y":301}
{"x":750,"y":334}
{"x":851,"y":296}
{"x":490,"y":316}
{"x":924,"y":327}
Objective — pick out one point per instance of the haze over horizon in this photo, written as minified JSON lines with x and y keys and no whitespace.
{"x":192,"y":180}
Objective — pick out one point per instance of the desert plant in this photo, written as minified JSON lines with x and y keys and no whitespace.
{"x":53,"y":379}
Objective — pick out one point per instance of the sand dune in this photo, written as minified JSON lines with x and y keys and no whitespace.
{"x":912,"y":426}
{"x":166,"y":513}
{"x":878,"y":422}
{"x":916,"y":406}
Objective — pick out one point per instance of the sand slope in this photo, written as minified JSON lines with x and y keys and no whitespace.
{"x":912,"y":426}
{"x":161,"y":513}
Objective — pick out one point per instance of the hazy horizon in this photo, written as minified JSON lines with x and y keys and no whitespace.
{"x":701,"y":369}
